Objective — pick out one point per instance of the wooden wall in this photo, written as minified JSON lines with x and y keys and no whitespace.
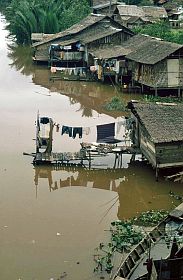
{"x":169,"y":154}
{"x":166,"y":73}
{"x":159,"y":155}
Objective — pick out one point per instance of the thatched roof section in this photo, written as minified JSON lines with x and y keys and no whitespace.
{"x":151,"y":50}
{"x":40,"y":36}
{"x":149,"y":12}
{"x":140,"y":48}
{"x":162,"y":121}
{"x":135,"y":19}
{"x":130,"y":10}
{"x":93,"y":37}
{"x":119,"y":50}
{"x":105,"y":4}
{"x":76,"y":28}
{"x":100,"y":34}
{"x":74,"y":31}
{"x":154,"y":12}
{"x":110,"y":52}
{"x":129,"y":46}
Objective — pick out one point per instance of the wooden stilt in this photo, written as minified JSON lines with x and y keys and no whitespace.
{"x":179,"y":92}
{"x":157,"y":173}
{"x":142,"y":88}
{"x":156,"y":92}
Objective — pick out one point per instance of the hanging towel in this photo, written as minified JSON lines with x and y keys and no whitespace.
{"x":67,"y":130}
{"x":77,"y":130}
{"x":105,"y":130}
{"x":86,"y":130}
{"x":105,"y":133}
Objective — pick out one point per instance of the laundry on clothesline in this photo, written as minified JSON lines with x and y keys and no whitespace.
{"x":105,"y":132}
{"x":72,"y":131}
{"x":77,"y":130}
{"x":86,"y":130}
{"x":67,"y":130}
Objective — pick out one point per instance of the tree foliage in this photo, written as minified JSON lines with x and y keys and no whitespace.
{"x":161,"y":30}
{"x":41,"y":16}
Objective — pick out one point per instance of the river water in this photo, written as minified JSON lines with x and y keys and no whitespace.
{"x":51,"y":221}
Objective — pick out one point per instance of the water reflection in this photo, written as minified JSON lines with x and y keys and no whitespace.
{"x":90,"y":96}
{"x":135,"y":185}
{"x":21,"y":58}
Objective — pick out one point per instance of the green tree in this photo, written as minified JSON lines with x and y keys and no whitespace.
{"x":161,"y":30}
{"x":41,"y":16}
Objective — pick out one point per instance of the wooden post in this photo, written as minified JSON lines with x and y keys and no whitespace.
{"x":116,"y":79}
{"x":157,"y":171}
{"x":142,"y":88}
{"x":179,"y":92}
{"x":156,"y":92}
{"x":115,"y":160}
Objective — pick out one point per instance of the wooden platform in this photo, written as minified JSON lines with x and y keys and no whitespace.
{"x":88,"y":152}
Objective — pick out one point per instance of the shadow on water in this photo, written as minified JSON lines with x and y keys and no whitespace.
{"x":135,"y":186}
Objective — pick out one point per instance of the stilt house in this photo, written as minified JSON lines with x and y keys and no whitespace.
{"x":155,"y":63}
{"x":158,"y":132}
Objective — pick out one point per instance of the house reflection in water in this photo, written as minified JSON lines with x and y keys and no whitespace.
{"x":136,"y":189}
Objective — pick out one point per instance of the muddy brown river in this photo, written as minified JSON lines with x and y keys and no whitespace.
{"x":51,"y":221}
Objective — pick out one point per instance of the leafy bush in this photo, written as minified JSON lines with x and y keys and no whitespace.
{"x":115,"y":104}
{"x":169,"y":99}
{"x":150,"y":218}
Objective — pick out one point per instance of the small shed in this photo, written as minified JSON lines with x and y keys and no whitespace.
{"x":158,"y":133}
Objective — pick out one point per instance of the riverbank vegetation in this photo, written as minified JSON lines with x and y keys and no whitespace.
{"x":115,"y":104}
{"x":39,"y":16}
{"x":124,"y":235}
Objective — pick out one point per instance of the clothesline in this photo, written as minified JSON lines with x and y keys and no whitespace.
{"x":91,"y":126}
{"x":105,"y":132}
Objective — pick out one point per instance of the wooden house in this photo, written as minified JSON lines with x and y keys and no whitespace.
{"x":154,"y":13}
{"x":155,"y":64}
{"x":94,"y":30}
{"x":176,"y":17}
{"x":158,"y":132}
